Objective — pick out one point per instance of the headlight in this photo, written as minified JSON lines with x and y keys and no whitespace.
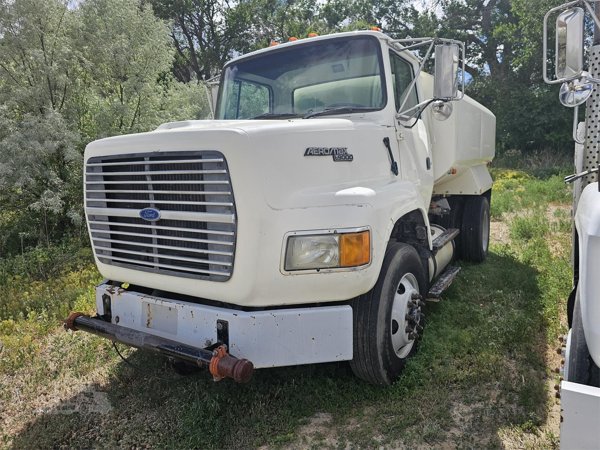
{"x":325,"y":251}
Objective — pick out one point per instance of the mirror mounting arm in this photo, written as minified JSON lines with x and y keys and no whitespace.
{"x":431,"y":42}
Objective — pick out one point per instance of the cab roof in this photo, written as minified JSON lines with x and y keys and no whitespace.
{"x":377,"y":34}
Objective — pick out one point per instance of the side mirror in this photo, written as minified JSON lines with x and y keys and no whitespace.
{"x":569,"y":43}
{"x":445,"y":85}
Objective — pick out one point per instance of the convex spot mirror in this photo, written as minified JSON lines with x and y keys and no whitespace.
{"x":569,"y":43}
{"x":442,"y":110}
{"x":576,"y":92}
{"x":446,"y":72}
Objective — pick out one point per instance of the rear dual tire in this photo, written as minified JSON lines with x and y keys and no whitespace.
{"x":475,"y":229}
{"x":471,"y":215}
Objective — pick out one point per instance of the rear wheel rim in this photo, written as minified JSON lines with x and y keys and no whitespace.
{"x":567,"y":363}
{"x":406,"y":316}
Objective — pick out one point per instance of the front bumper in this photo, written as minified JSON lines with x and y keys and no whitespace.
{"x":268,"y":338}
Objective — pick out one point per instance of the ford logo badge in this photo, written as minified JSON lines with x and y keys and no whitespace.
{"x":150,"y":214}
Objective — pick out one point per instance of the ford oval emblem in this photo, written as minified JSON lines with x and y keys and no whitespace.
{"x":150,"y":214}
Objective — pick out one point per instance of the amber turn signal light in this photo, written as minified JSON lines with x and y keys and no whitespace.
{"x":355,"y":249}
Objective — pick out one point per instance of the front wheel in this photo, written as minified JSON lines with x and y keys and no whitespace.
{"x":388,"y":318}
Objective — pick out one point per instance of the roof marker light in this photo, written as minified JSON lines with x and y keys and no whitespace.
{"x":273,"y":43}
{"x":292,"y":39}
{"x":312,"y":35}
{"x":375,"y":29}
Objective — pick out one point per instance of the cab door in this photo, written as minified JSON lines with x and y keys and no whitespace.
{"x":411,"y":133}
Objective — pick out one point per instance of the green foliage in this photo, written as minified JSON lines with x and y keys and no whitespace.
{"x":528,"y":115}
{"x":72,"y":73}
{"x":516,"y":190}
{"x":46,"y":281}
{"x":38,"y":64}
{"x":39,"y":165}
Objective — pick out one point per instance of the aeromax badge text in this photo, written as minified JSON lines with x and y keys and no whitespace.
{"x":338,"y":153}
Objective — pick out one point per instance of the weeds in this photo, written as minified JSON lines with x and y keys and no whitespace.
{"x":45,"y":282}
{"x":540,"y":164}
{"x":517,"y":191}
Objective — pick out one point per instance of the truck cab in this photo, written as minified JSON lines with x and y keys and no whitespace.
{"x":308,"y":222}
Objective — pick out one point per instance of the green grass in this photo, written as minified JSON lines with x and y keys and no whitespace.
{"x":516,"y":190}
{"x":480,"y":379}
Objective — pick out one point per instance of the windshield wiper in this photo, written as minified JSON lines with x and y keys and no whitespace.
{"x":276,"y":116}
{"x":339,"y":110}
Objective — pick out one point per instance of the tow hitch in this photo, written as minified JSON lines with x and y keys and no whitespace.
{"x":220,"y":363}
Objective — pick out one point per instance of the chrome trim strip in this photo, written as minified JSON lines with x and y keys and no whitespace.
{"x":159,"y":237}
{"x":170,"y":215}
{"x":166,"y":266}
{"x":165,"y":247}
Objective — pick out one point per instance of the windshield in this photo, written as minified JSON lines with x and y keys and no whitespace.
{"x":337,"y":75}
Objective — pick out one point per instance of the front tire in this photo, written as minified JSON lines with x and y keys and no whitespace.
{"x":579,"y":366}
{"x":388,"y":318}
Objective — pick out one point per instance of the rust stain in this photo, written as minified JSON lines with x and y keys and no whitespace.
{"x":149,"y":316}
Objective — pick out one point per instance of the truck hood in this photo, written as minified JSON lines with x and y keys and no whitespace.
{"x":257,"y":126}
{"x":289,"y":163}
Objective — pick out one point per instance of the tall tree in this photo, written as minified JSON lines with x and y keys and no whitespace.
{"x":37,"y":62}
{"x":207,"y":33}
{"x":503,"y":40}
{"x":203,"y":33}
{"x":69,"y":75}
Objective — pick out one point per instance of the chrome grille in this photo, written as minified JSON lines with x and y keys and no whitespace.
{"x":195,"y":235}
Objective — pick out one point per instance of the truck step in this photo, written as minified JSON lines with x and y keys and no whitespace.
{"x":442,"y":283}
{"x":444,"y":238}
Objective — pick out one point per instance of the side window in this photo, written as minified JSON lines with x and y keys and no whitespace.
{"x":402,"y":74}
{"x":248,"y":100}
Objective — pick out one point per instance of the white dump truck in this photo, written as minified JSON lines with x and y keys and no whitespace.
{"x":308,"y":222}
{"x":580,"y":388}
